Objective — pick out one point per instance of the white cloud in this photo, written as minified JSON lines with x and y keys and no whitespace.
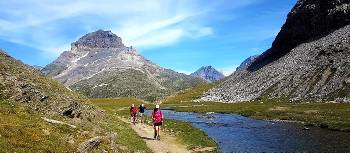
{"x":228,"y":70}
{"x":51,"y":26}
{"x":149,"y":23}
{"x":159,"y":38}
{"x":184,"y":72}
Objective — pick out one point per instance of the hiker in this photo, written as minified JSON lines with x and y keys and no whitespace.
{"x":157,"y":117}
{"x":141,"y":112}
{"x":133,"y":113}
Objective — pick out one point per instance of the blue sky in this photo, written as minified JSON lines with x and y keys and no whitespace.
{"x":179,"y":34}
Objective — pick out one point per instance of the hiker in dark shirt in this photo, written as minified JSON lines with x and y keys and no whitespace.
{"x":141,"y":112}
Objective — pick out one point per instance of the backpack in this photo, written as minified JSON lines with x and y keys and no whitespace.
{"x":157,"y":115}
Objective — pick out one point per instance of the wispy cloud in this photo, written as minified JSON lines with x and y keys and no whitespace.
{"x":51,"y":26}
{"x":228,"y":70}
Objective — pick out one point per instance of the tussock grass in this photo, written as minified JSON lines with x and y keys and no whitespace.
{"x":23,"y":130}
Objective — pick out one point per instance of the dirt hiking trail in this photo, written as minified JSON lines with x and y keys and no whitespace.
{"x":167,"y":144}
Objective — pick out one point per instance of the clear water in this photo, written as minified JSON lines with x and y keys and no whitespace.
{"x":235,"y":133}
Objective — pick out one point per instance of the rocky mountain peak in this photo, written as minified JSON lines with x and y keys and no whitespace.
{"x":246,"y":63}
{"x":309,"y":20}
{"x":208,"y":73}
{"x":99,"y":39}
{"x":99,"y":65}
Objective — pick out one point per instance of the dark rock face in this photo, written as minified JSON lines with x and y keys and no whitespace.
{"x":309,"y":20}
{"x":244,"y":65}
{"x":99,"y":39}
{"x":208,"y":73}
{"x":309,"y":60}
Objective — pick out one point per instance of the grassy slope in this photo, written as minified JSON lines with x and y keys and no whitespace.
{"x":136,"y":84}
{"x":23,"y":131}
{"x":22,"y":128}
{"x":189,"y":94}
{"x":329,"y":115}
{"x":185,"y":132}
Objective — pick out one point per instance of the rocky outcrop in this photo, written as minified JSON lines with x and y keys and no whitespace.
{"x":313,"y":59}
{"x":309,"y":20}
{"x":100,"y":65}
{"x":208,"y":73}
{"x":99,"y":39}
{"x":89,"y":145}
{"x":21,"y":83}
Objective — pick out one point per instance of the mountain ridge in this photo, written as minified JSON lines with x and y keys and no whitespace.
{"x":309,"y":20}
{"x":208,"y":73}
{"x":100,"y":61}
{"x":245,"y":64}
{"x":317,"y":70}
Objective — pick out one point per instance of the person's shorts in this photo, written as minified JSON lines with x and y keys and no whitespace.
{"x":158,"y":124}
{"x":140,"y":114}
{"x":133,"y":114}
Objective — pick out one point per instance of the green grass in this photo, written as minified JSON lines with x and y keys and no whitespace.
{"x":184,"y":131}
{"x":187,"y":134}
{"x":22,"y":130}
{"x":189,"y":94}
{"x":126,"y":136}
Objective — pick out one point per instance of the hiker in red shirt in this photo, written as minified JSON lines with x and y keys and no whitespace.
{"x":157,"y":117}
{"x":133,"y":112}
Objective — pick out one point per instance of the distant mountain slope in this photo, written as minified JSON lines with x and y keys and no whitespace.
{"x":99,"y":65}
{"x":313,"y":61}
{"x":208,"y":73}
{"x":244,"y":65}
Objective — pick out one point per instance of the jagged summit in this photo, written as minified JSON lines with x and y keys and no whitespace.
{"x":99,"y":39}
{"x":208,"y":73}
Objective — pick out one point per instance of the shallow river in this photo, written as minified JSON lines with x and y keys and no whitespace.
{"x":235,"y":133}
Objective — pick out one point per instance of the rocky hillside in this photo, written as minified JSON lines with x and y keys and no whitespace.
{"x":21,"y":83}
{"x":39,"y":114}
{"x":100,"y":65}
{"x":208,"y":73}
{"x":244,"y":65}
{"x":309,"y":59}
{"x":309,"y":20}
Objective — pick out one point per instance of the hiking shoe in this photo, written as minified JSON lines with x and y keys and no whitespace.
{"x":158,"y":138}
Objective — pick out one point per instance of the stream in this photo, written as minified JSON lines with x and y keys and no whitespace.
{"x":235,"y":133}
